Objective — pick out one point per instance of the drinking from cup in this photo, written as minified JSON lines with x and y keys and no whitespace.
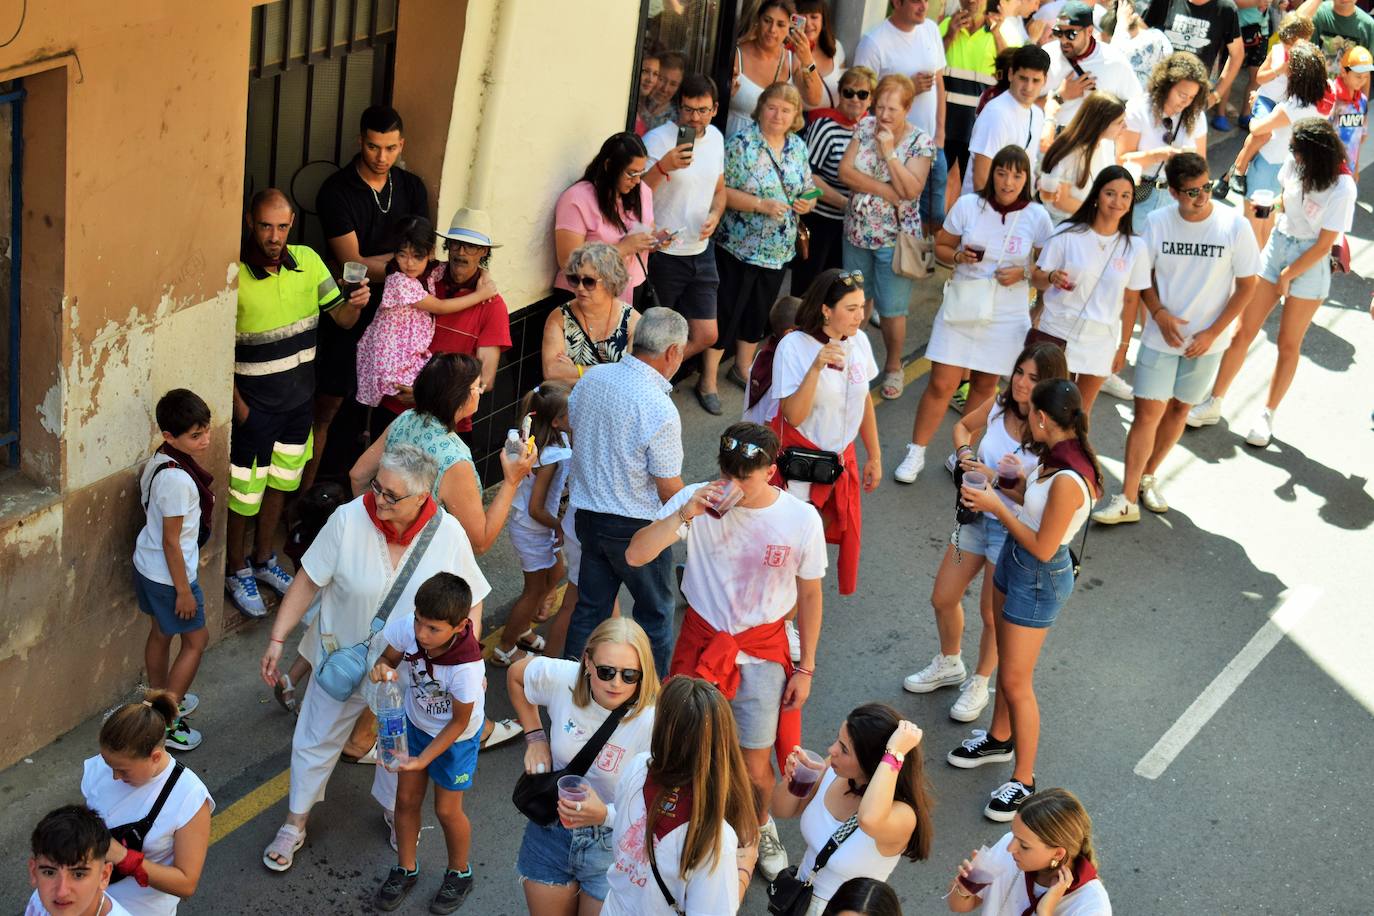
{"x":977,"y":877}
{"x":730,"y":495}
{"x":805,"y":774}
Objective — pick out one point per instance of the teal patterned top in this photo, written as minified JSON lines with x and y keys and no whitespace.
{"x":431,"y":437}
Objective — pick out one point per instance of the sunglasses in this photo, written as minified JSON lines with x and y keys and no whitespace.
{"x":850,"y":278}
{"x":747,"y":449}
{"x":1070,"y":34}
{"x":383,"y":495}
{"x":635,"y":173}
{"x":1203,"y":189}
{"x":629,"y":676}
{"x":855,"y":93}
{"x":578,"y":280}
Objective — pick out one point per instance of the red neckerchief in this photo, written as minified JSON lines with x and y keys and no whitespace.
{"x":1012,"y":207}
{"x":824,"y":339}
{"x":405,"y":537}
{"x":988,"y":95}
{"x":1069,"y":456}
{"x":464,"y":649}
{"x":675,"y":807}
{"x":1083,"y":872}
{"x":202,"y":479}
{"x":833,"y":114}
{"x":1092,"y":46}
{"x":445,"y":287}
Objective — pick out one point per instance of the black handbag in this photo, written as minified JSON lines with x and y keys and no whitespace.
{"x":536,"y":794}
{"x":788,"y":895}
{"x":132,"y":835}
{"x":809,"y":465}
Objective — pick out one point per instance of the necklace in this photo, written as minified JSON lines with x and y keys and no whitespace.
{"x":389,"y":195}
{"x":587,"y":324}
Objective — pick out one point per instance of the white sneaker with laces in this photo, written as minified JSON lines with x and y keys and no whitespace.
{"x":943,"y":671}
{"x":1262,"y":430}
{"x":1117,"y":511}
{"x":911,"y":465}
{"x":1117,"y":387}
{"x":182,"y":737}
{"x":1208,"y":413}
{"x":973,"y":699}
{"x":772,"y":854}
{"x":793,"y":641}
{"x":242,"y":589}
{"x":1150,"y":494}
{"x":189,"y":704}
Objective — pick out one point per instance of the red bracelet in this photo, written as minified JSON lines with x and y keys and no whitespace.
{"x":275,"y":639}
{"x":132,"y":867}
{"x":798,"y":669}
{"x":891,"y":760}
{"x":662,"y":171}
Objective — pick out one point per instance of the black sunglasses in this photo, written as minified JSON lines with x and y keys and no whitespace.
{"x":854,"y":93}
{"x":850,"y":278}
{"x":1202,"y":189}
{"x":630,"y":676}
{"x":747,"y":449}
{"x":576,"y":280}
{"x":1070,"y":34}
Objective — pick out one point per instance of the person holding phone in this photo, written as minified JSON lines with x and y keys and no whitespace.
{"x":774,"y":50}
{"x":826,"y":49}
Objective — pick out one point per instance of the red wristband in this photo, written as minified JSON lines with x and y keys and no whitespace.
{"x":891,"y":760}
{"x":132,"y":867}
{"x":662,"y":171}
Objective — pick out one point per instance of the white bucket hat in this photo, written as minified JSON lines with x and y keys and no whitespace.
{"x":471,"y":226}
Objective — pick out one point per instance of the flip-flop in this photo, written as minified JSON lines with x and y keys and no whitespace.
{"x":893,"y":382}
{"x":288,"y":840}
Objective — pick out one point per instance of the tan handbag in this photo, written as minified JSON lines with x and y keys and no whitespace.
{"x":912,"y":256}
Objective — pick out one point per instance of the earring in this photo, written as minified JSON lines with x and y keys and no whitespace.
{"x":1054,"y":863}
{"x":1042,"y":424}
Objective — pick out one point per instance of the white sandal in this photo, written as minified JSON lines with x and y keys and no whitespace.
{"x":505,"y":659}
{"x":288,"y":840}
{"x":531,"y":641}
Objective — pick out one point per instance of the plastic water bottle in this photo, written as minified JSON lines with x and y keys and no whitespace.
{"x":515,"y":447}
{"x":388,"y":702}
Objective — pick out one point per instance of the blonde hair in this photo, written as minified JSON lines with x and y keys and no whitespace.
{"x":1058,"y":818}
{"x":896,"y":82}
{"x":854,"y":74}
{"x":789,"y":94}
{"x":1293,"y":27}
{"x":622,"y":631}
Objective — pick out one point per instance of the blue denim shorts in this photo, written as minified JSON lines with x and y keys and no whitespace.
{"x":1034,"y":591}
{"x":1283,"y":250}
{"x":1160,"y":376}
{"x":557,"y":856}
{"x":1262,"y":175}
{"x":1262,"y":106}
{"x":159,"y":602}
{"x":891,"y":293}
{"x":984,"y":538}
{"x":454,"y":768}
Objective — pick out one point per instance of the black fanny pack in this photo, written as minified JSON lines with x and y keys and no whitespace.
{"x":132,"y":835}
{"x":809,"y":465}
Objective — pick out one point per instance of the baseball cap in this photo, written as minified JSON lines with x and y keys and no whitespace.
{"x":1076,"y":14}
{"x":1359,"y":60}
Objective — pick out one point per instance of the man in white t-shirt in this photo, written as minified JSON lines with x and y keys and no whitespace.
{"x":908,"y":43}
{"x":67,"y":868}
{"x":1079,"y":65}
{"x":746,"y":569}
{"x":1205,"y":264}
{"x":1010,"y":119}
{"x":688,"y":181}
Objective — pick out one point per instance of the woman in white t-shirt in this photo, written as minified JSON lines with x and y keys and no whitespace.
{"x":1086,"y":147}
{"x":1046,"y":865}
{"x":1034,"y":577}
{"x":1169,"y":118}
{"x":873,"y":777}
{"x":685,"y":822}
{"x":122,"y":784}
{"x":563,"y":866}
{"x":1092,"y":271}
{"x":1318,"y":207}
{"x":1266,"y":147}
{"x":994,"y":234}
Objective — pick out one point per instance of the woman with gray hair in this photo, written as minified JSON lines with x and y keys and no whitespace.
{"x":395,"y":527}
{"x":596,"y":326}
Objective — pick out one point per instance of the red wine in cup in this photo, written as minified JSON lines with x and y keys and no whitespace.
{"x":975,"y":251}
{"x":971,"y":886}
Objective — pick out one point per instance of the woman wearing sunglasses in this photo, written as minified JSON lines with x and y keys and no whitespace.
{"x":1169,"y":118}
{"x":350,"y":566}
{"x":563,"y":866}
{"x":595,"y":327}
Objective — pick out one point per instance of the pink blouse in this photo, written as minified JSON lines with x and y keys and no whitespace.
{"x":577,"y":211}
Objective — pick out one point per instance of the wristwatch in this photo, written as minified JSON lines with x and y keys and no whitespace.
{"x":1058,"y":98}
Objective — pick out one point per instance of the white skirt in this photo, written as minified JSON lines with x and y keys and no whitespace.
{"x":989,"y":347}
{"x":1092,"y":349}
{"x":534,"y":544}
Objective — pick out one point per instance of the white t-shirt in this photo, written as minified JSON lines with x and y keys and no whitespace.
{"x":1006,"y":895}
{"x":36,"y":908}
{"x":684,"y":201}
{"x":764,"y":411}
{"x":1004,"y":122}
{"x":1069,"y":169}
{"x":1013,"y":32}
{"x":1304,"y":216}
{"x":1012,"y":239}
{"x":1277,"y":88}
{"x":558,"y":453}
{"x":1140,"y":118}
{"x":549,"y":683}
{"x":1110,"y":67}
{"x":633,"y":891}
{"x":887,"y":49}
{"x":173,"y":493}
{"x":1195,"y":268}
{"x":432,"y":689}
{"x":119,"y":803}
{"x":838,"y":408}
{"x":1103,"y":268}
{"x":1276,"y":148}
{"x":350,"y":564}
{"x":742,"y":569}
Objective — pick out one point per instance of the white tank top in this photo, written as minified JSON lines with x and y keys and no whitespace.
{"x":746,"y":97}
{"x":1038,"y":494}
{"x":997,"y":442}
{"x":856,"y":857}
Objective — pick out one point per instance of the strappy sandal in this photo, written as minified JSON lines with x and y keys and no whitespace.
{"x":285,"y":692}
{"x":288,"y":840}
{"x":531,"y":641}
{"x":501,"y":659}
{"x":893,"y":385}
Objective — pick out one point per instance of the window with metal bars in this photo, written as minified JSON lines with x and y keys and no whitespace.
{"x":11,"y":208}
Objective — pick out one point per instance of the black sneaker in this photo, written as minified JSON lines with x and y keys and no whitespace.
{"x":980,"y":749}
{"x":452,"y":892}
{"x":394,"y":889}
{"x":1006,"y":801}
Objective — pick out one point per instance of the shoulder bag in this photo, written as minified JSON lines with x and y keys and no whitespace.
{"x":536,"y":794}
{"x":788,"y":895}
{"x":1146,"y":189}
{"x":132,"y":835}
{"x":662,"y":887}
{"x":914,"y":253}
{"x":803,"y":231}
{"x":344,"y":669}
{"x":970,"y":301}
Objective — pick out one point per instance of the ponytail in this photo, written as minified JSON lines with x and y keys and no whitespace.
{"x":137,"y":729}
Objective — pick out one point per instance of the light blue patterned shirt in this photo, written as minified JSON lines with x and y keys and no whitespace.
{"x":627,"y":432}
{"x":434,"y":439}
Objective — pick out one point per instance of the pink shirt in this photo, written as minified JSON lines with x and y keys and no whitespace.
{"x":577,"y":211}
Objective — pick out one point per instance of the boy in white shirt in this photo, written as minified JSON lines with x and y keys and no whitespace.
{"x":1010,"y":119}
{"x":444,"y":681}
{"x":67,"y":868}
{"x":178,"y":502}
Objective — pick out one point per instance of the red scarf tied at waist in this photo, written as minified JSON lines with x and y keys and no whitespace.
{"x":840,"y":503}
{"x":1083,"y":872}
{"x":405,"y":537}
{"x":705,"y":652}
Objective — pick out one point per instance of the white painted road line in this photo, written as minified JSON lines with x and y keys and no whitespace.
{"x":1296,"y":604}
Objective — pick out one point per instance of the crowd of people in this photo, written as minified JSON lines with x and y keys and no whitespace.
{"x":1050,"y":158}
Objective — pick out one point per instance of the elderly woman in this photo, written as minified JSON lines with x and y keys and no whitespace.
{"x":772,"y":52}
{"x":886,"y":165}
{"x":610,"y":204}
{"x":596,"y":326}
{"x":1169,"y":118}
{"x":766,"y":172}
{"x":395,"y":526}
{"x":827,"y":136}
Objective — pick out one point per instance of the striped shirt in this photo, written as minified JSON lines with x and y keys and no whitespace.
{"x":827,"y":139}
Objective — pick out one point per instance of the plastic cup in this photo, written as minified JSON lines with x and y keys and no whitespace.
{"x":805,"y":774}
{"x":839,"y":367}
{"x":978,"y":877}
{"x":1263,"y":202}
{"x":1008,"y":471}
{"x":573,"y":789}
{"x":354,"y":276}
{"x":975,"y":479}
{"x":976,"y":251}
{"x":730,"y":495}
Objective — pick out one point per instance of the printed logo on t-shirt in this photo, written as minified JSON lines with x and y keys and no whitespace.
{"x":1311,"y":208}
{"x":1015,"y":245}
{"x":610,"y":757}
{"x":1188,"y":33}
{"x":571,"y":729}
{"x":775,"y":555}
{"x":1192,"y":249}
{"x":1118,"y":264}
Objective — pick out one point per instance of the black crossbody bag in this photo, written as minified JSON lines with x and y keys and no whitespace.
{"x":662,"y":887}
{"x":132,"y":835}
{"x":788,"y":895}
{"x":536,"y":794}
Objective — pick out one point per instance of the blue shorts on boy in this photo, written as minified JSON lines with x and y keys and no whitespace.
{"x":160,"y":602}
{"x":454,"y":769}
{"x":167,"y":494}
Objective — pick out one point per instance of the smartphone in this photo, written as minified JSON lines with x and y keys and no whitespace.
{"x":811,"y":194}
{"x":799,"y":23}
{"x":686,"y":135}
{"x":665,"y":237}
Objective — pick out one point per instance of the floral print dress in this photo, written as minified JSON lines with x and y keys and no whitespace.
{"x":395,"y":346}
{"x":756,"y":238}
{"x":869,"y":221}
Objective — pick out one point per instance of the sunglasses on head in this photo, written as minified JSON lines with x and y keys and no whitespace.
{"x":747,"y":449}
{"x":850,"y":278}
{"x":1070,"y":34}
{"x":576,"y":280}
{"x":629,"y":676}
{"x":855,"y":93}
{"x":635,"y":173}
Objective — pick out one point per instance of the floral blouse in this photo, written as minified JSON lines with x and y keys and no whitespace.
{"x":869,"y":221}
{"x":756,"y":238}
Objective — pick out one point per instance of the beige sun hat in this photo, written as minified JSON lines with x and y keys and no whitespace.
{"x":471,"y":226}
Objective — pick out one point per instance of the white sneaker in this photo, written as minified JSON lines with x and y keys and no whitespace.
{"x":772,"y":854}
{"x":1151,"y":496}
{"x":1208,"y":413}
{"x":911,"y":465}
{"x":943,"y":671}
{"x":182,"y":737}
{"x":793,"y":641}
{"x":973,"y":698}
{"x":1262,"y":430}
{"x":1117,"y":387}
{"x":189,"y":704}
{"x":1117,"y":511}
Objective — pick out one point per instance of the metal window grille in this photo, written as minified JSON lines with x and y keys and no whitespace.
{"x":11,"y":162}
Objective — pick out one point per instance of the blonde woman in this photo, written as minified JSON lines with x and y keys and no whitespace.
{"x":771,"y":51}
{"x":563,"y":866}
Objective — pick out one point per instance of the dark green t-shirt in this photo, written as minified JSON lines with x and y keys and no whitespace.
{"x":1328,"y":27}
